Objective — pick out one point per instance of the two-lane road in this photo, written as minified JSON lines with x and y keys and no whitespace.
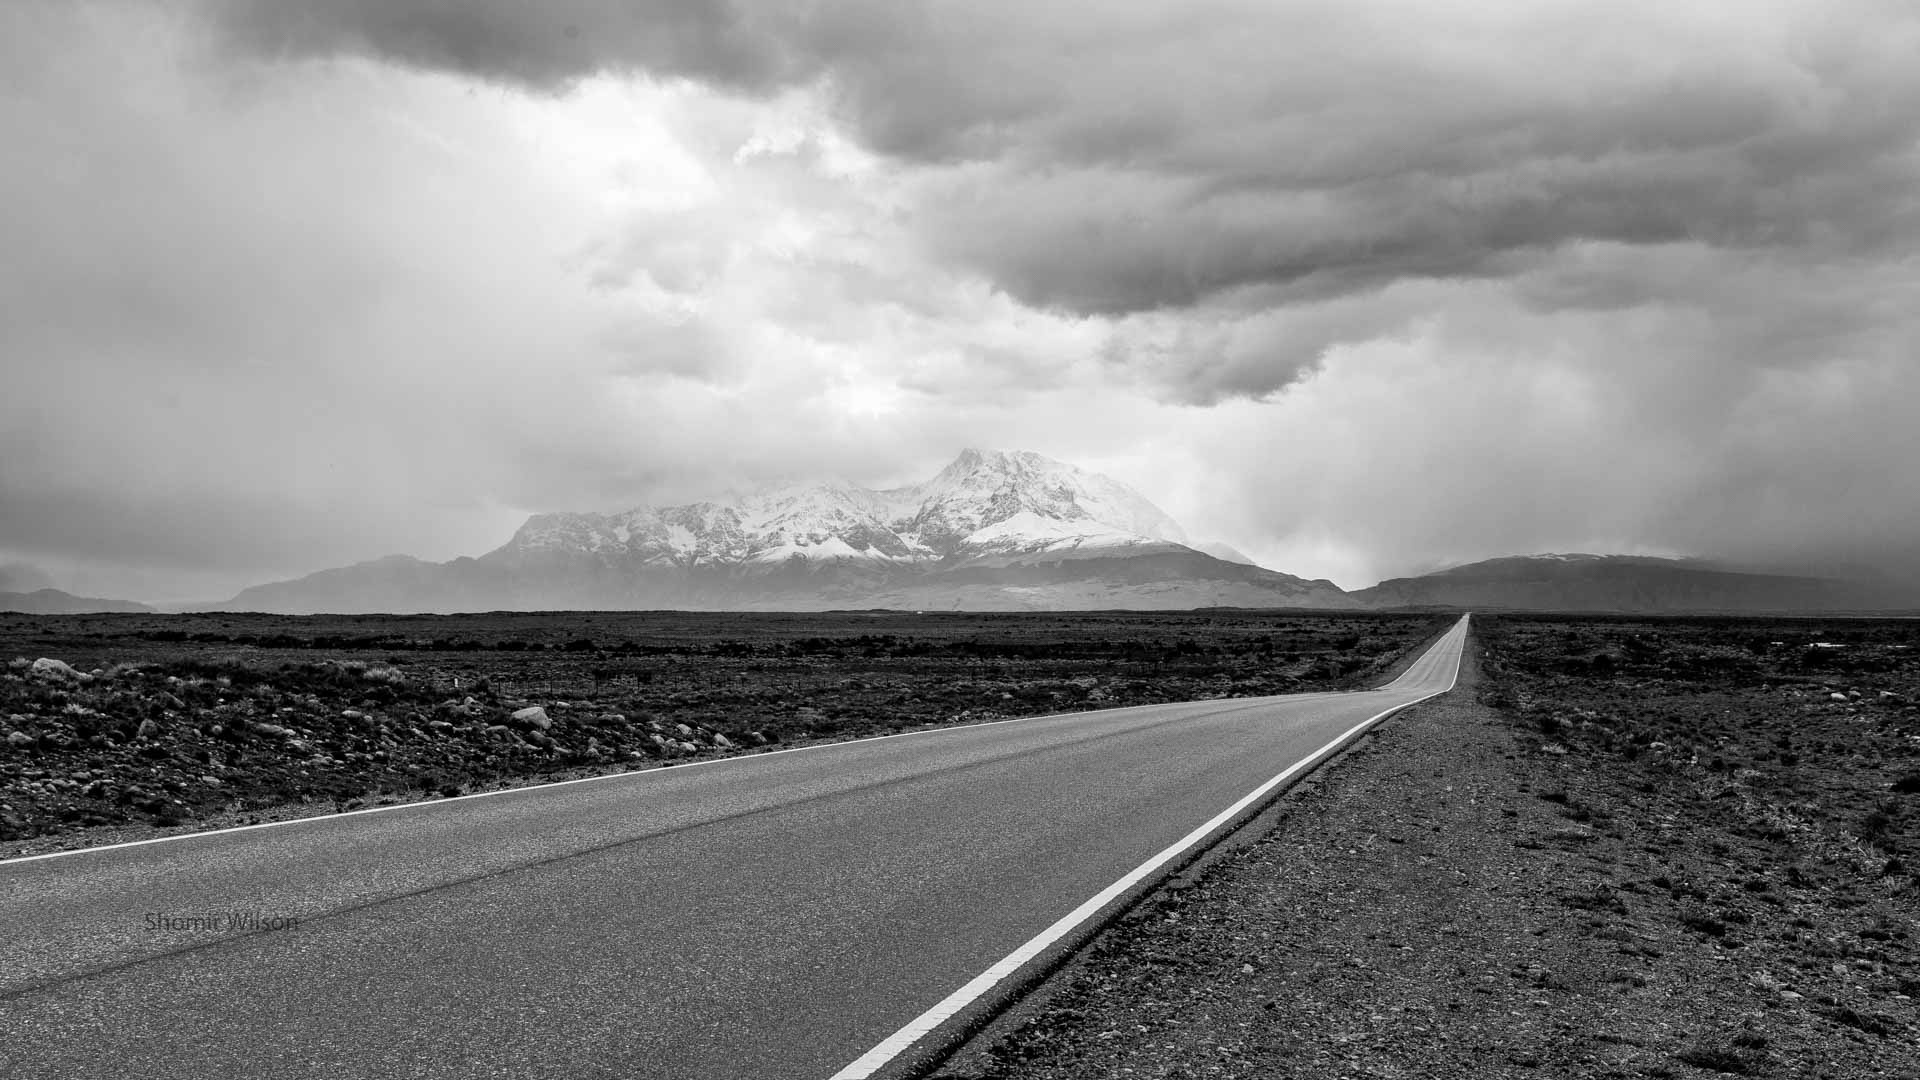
{"x":775,"y":915}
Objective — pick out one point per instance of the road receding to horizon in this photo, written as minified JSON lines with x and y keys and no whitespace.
{"x":778,"y":915}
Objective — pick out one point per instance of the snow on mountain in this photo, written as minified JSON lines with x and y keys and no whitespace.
{"x":986,"y":503}
{"x":967,"y":507}
{"x":992,"y":531}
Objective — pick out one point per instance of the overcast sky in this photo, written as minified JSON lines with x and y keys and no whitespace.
{"x":1361,"y":288}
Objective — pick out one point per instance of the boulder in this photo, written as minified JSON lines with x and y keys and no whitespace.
{"x":48,"y":668}
{"x":533,"y":716}
{"x":19,"y":739}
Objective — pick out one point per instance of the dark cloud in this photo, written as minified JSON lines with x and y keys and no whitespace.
{"x":546,"y":46}
{"x":1366,"y":282}
{"x":1124,"y":157}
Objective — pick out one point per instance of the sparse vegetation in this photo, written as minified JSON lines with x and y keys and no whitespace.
{"x":1722,"y":1058}
{"x":1689,"y":859}
{"x":190,"y":716}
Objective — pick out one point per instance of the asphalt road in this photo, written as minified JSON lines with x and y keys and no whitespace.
{"x":766,"y":916}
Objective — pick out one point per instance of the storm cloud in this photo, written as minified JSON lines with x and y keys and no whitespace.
{"x":1360,"y":287}
{"x":1114,"y":158}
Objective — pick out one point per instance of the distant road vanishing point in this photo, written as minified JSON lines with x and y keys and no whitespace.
{"x":809,"y":913}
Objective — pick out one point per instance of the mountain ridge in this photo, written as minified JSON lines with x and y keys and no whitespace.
{"x":59,"y":602}
{"x":1623,"y":583}
{"x":1008,"y":530}
{"x":992,"y":530}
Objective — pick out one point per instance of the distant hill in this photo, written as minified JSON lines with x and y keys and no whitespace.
{"x":993,"y":531}
{"x":1624,"y":583}
{"x":55,"y":602}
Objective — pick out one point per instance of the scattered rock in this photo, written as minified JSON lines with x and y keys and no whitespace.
{"x":273,"y":729}
{"x":48,"y":668}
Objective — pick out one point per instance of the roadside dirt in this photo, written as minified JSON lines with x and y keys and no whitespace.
{"x":1461,"y":896}
{"x":135,"y":726}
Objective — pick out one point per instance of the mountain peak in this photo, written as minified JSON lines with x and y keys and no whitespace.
{"x":1001,"y":499}
{"x":996,"y":529}
{"x":975,"y":459}
{"x":985,"y":503}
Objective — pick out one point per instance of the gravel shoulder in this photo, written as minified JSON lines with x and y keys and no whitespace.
{"x":1459,"y":897}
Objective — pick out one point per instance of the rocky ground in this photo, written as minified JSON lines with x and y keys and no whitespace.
{"x":1572,"y":867}
{"x":114,"y":726}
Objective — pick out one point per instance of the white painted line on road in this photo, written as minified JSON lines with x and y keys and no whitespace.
{"x":426,"y":803}
{"x":894,"y":1045}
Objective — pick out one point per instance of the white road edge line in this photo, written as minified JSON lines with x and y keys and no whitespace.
{"x":426,"y":803}
{"x":898,"y":1043}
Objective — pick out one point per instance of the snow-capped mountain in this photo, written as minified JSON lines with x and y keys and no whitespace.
{"x":992,"y":502}
{"x":994,"y":529}
{"x":829,"y":522}
{"x":987,"y":504}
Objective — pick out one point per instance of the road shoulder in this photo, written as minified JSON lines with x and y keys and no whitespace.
{"x":1455,"y":899}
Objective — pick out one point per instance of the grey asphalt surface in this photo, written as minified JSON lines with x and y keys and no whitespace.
{"x":764,"y":916}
